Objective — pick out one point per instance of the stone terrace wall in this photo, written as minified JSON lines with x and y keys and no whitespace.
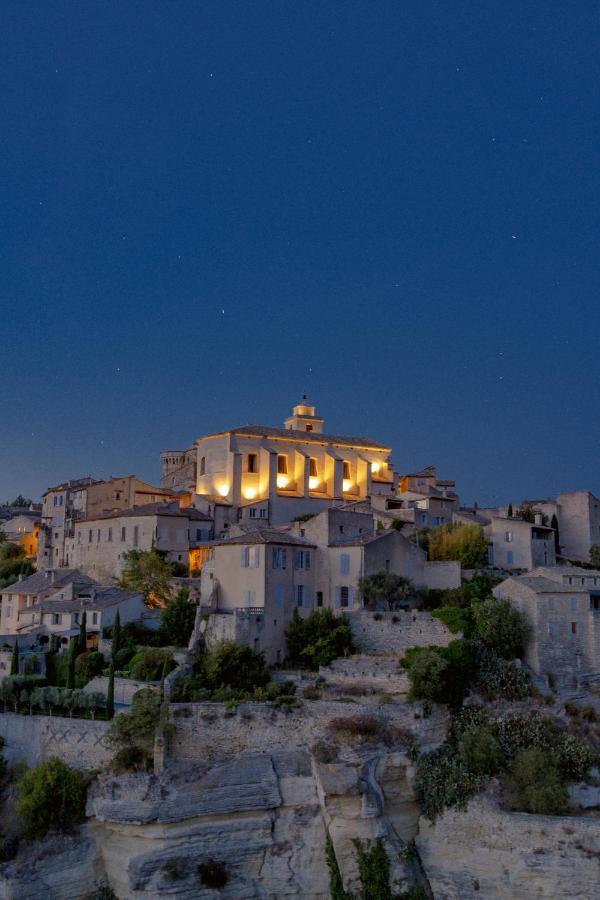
{"x":125,"y":688}
{"x":485,"y":852}
{"x":382,"y":673}
{"x":205,"y":731}
{"x":78,"y":742}
{"x":391,"y":638}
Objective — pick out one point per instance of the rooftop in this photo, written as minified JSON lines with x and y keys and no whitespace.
{"x":301,"y":436}
{"x":542,"y":585}
{"x":154,"y":509}
{"x":47,"y":579}
{"x":101,"y":598}
{"x":265,"y":536}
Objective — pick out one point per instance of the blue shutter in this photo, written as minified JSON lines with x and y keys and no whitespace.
{"x":307,"y":559}
{"x":243,"y":557}
{"x":350,"y":597}
{"x":256,"y":559}
{"x":284,"y":559}
{"x":344,"y":564}
{"x":338,"y":598}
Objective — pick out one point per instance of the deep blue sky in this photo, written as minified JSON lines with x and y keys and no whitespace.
{"x":208,"y":207}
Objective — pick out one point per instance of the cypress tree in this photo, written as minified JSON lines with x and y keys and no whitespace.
{"x":554,"y":524}
{"x":14,"y":662}
{"x":110,"y":695}
{"x":72,"y":654}
{"x":83,"y":633}
{"x":509,"y":511}
{"x":116,"y":635}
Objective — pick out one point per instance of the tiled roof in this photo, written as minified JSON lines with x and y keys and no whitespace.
{"x":542,"y":585}
{"x":73,"y":485}
{"x":42,"y":581}
{"x":154,"y":509}
{"x":302,"y":436}
{"x":265,"y":536}
{"x":103,"y":598}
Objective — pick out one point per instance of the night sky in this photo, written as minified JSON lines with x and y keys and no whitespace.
{"x":209,"y":207}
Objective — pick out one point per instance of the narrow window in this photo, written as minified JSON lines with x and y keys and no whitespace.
{"x":282,"y":466}
{"x":110,"y":535}
{"x":312,"y":470}
{"x":252,"y":458}
{"x":573,"y":627}
{"x":136,"y":534}
{"x":202,"y":465}
{"x":344,"y":563}
{"x":299,"y":594}
{"x":344,"y":597}
{"x":309,"y":428}
{"x":346,"y":474}
{"x":123,"y":534}
{"x":319,"y":598}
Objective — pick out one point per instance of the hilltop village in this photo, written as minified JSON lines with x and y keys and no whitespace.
{"x":298,"y":671}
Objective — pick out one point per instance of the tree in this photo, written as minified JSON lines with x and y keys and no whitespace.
{"x":71,"y":657}
{"x":318,"y":639}
{"x":554,"y":524}
{"x":427,"y":673}
{"x":21,"y":502}
{"x":177,"y":619}
{"x":14,"y":660}
{"x":509,"y":511}
{"x":461,"y":541}
{"x":147,"y":571}
{"x":50,"y":796}
{"x":83,"y":633}
{"x":110,"y":695}
{"x":595,"y":555}
{"x":116,"y":635}
{"x":500,"y":627}
{"x":391,"y":589}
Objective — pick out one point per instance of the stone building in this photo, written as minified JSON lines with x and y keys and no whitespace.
{"x":285,"y":471}
{"x":578,"y":516}
{"x":23,"y":529}
{"x":26,"y":592}
{"x":68,"y":503}
{"x":98,"y":544}
{"x":253,"y":583}
{"x":562,"y":608}
{"x":513,"y":544}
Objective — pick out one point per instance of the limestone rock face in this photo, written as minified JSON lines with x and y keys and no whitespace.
{"x":57,"y":868}
{"x":485,"y":852}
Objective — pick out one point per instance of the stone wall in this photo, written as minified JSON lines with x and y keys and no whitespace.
{"x":392,"y":633}
{"x":485,"y":852}
{"x":125,"y":688}
{"x":78,"y":742}
{"x":205,"y":731}
{"x":441,"y":575}
{"x":369,"y":673}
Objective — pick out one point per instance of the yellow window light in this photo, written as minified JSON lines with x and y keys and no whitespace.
{"x":346,"y":484}
{"x":223,"y":490}
{"x":313,"y":483}
{"x":375,"y":466}
{"x":282,"y":481}
{"x":250,"y":493}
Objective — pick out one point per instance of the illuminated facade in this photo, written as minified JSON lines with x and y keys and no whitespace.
{"x":282,"y":472}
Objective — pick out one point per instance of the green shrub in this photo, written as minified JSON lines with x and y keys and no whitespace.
{"x":373,"y":870}
{"x":500,"y":627}
{"x":311,"y":693}
{"x":465,"y":719}
{"x":148,"y":664}
{"x":336,"y":885}
{"x":439,"y":674}
{"x":88,"y":665}
{"x":318,"y":639}
{"x":131,"y":734}
{"x":455,"y":618}
{"x":123,"y":657}
{"x":190,"y":689}
{"x":443,"y":780}
{"x":235,"y":666}
{"x":534,"y":784}
{"x":50,"y":796}
{"x":574,"y":757}
{"x":515,"y":732}
{"x":498,"y":677}
{"x":479,"y":751}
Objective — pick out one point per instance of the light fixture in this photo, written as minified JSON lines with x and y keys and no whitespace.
{"x":346,"y":484}
{"x":282,"y":481}
{"x":250,"y":493}
{"x":223,"y":489}
{"x":313,"y":483}
{"x":375,"y":467}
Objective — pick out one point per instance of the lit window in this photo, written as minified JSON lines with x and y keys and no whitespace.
{"x":346,"y":474}
{"x":312,"y":471}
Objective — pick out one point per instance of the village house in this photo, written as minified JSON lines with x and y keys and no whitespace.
{"x":23,"y":528}
{"x":252,"y":584}
{"x":578,"y":516}
{"x":282,"y":472}
{"x":561,"y":605}
{"x":98,"y":545}
{"x":85,"y":498}
{"x":26,"y":592}
{"x":513,"y":543}
{"x":61,"y":613}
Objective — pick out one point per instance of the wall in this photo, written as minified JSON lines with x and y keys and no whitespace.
{"x":442,"y":575}
{"x":369,"y":673}
{"x":125,"y":688}
{"x":207,"y":730}
{"x":385,"y":636}
{"x":78,"y":742}
{"x":487,"y":853}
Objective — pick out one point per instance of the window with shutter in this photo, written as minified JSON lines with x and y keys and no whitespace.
{"x":344,"y":563}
